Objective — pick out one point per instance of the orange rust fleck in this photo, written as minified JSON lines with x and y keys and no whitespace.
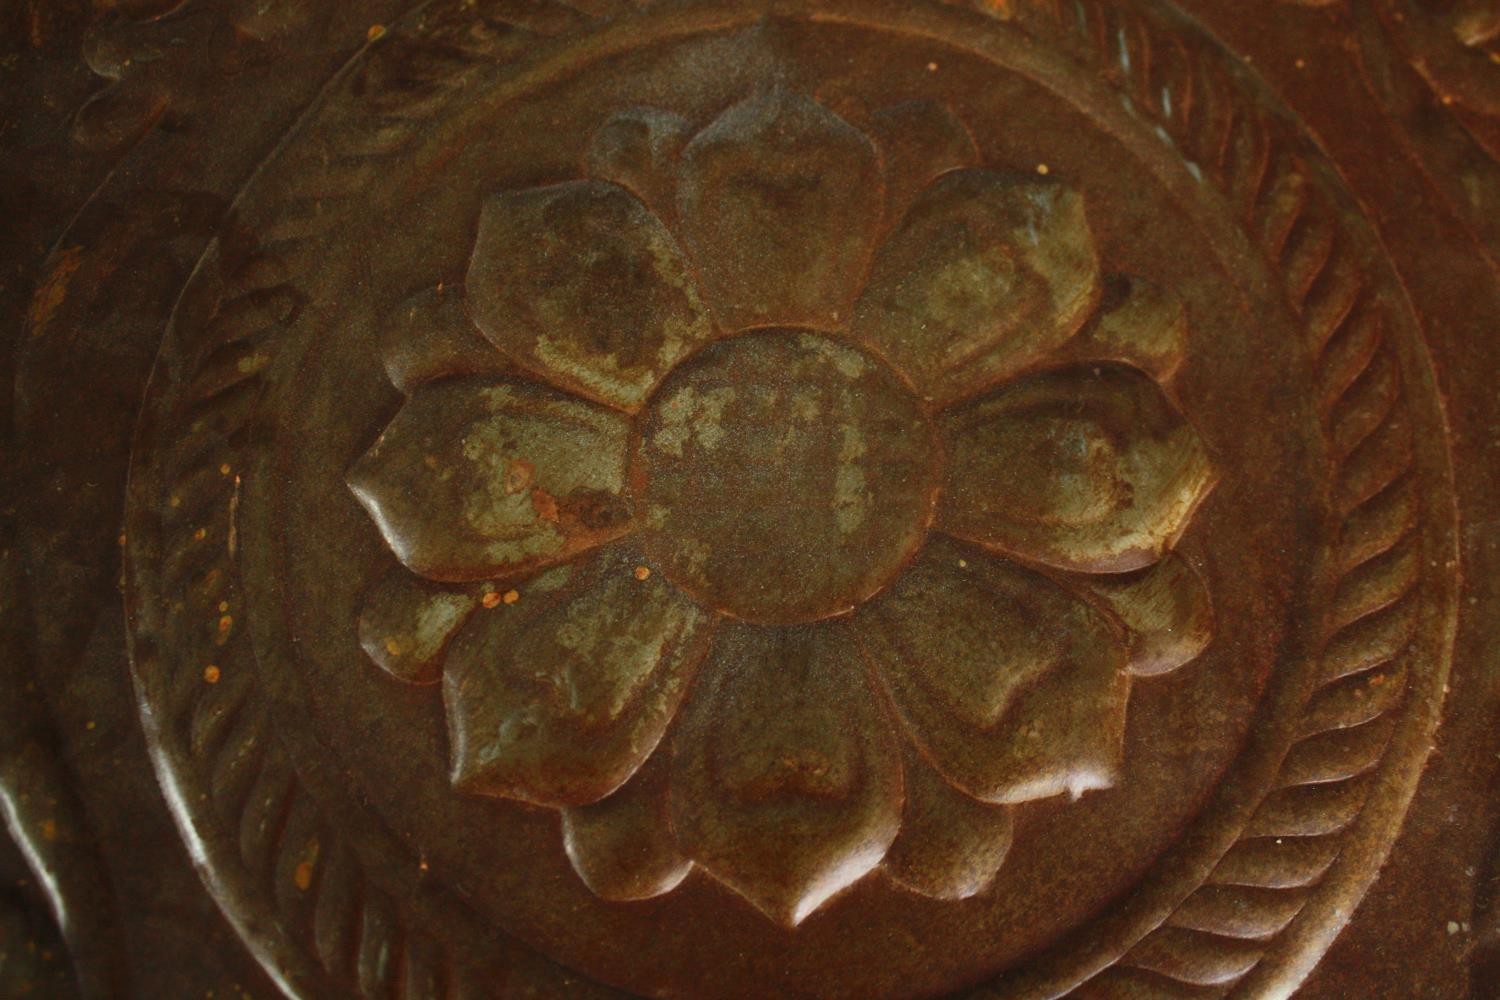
{"x":490,"y":599}
{"x":223,"y":606}
{"x":376,"y":32}
{"x":393,"y":646}
{"x":302,"y":876}
{"x":518,"y":476}
{"x":121,"y":540}
{"x":1043,"y":169}
{"x":49,"y":829}
{"x":511,"y":596}
{"x":200,"y":534}
{"x":545,"y":504}
{"x":211,"y":674}
{"x":226,"y":622}
{"x":54,"y":289}
{"x":643,"y":573}
{"x":175,"y":502}
{"x":224,"y":469}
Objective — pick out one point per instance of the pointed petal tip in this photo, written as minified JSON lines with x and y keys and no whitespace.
{"x":628,"y":880}
{"x":786,"y":782}
{"x":406,"y":624}
{"x":792,"y":904}
{"x":622,"y":847}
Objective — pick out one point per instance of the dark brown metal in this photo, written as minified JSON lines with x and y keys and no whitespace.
{"x":824,"y":498}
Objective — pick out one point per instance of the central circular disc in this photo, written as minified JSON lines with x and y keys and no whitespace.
{"x":786,"y":477}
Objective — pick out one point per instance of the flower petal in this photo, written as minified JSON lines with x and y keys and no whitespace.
{"x":1014,"y":688}
{"x":580,"y":283}
{"x":780,"y":200}
{"x":985,"y":276}
{"x":1086,"y":469}
{"x":476,"y":478}
{"x":407,"y":623}
{"x":1139,"y":324}
{"x":622,"y":847}
{"x":919,"y":142}
{"x":638,"y":150}
{"x":951,"y":845}
{"x":430,"y":336}
{"x":786,"y":777}
{"x":1166,"y":609}
{"x":559,"y":697}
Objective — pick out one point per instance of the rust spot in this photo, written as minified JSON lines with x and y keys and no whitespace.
{"x":519,"y":475}
{"x":54,"y":289}
{"x":643,"y":573}
{"x":545,"y":505}
{"x":211,"y":674}
{"x":511,"y":596}
{"x":49,"y":830}
{"x":593,"y":511}
{"x":376,"y":32}
{"x":302,"y":876}
{"x":491,"y":599}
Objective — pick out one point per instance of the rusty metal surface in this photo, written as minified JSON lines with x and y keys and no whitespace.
{"x":810,"y":498}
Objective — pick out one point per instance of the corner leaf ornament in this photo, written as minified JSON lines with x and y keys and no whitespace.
{"x":786,"y":501}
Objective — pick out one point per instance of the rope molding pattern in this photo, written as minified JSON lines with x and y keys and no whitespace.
{"x":1222,"y":931}
{"x":330,"y":925}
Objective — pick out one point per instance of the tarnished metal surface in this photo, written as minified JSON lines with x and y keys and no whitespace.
{"x":817,"y":498}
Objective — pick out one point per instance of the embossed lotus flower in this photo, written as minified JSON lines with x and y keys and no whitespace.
{"x":806,"y":503}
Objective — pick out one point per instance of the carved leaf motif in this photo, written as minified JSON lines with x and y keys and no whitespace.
{"x":1138,"y":324}
{"x":1014,"y":688}
{"x":786,"y":477}
{"x":622,"y":846}
{"x":951,"y":845}
{"x":786,"y":780}
{"x":780,"y":199}
{"x":430,"y":336}
{"x":1085,"y":469}
{"x":559,"y":697}
{"x":582,"y":284}
{"x":406,"y":625}
{"x":1166,"y":612}
{"x":475,"y":479}
{"x":985,"y":276}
